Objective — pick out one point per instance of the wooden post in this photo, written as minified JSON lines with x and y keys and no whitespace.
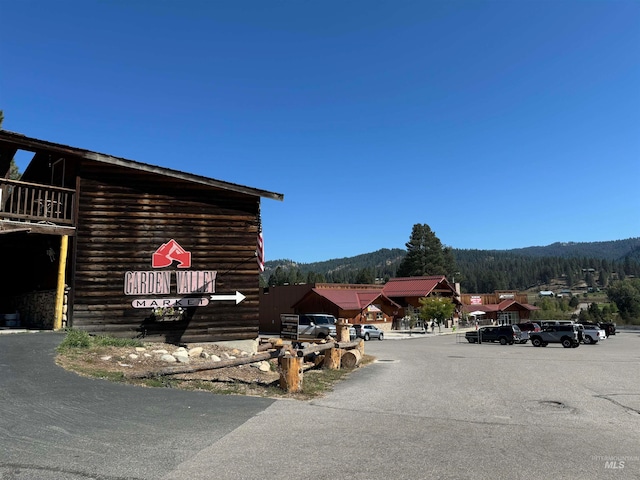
{"x":62,"y":266}
{"x":342,"y":330}
{"x":291,"y":374}
{"x":332,"y":358}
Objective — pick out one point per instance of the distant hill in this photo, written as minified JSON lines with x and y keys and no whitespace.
{"x":479,"y":270}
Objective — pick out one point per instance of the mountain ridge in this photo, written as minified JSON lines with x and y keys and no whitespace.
{"x":605,"y":250}
{"x":477,"y":270}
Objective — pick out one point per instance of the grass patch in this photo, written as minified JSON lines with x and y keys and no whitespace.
{"x":79,"y":339}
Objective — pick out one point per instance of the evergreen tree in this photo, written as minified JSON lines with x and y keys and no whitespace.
{"x":425,"y":255}
{"x":365,"y":276}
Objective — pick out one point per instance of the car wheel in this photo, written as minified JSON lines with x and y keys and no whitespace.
{"x":545,"y":344}
{"x":575,"y":344}
{"x":470,"y":340}
{"x":588,"y":340}
{"x":366,"y":337}
{"x":567,"y":343}
{"x":503,"y":341}
{"x":536,"y":342}
{"x":381,"y":336}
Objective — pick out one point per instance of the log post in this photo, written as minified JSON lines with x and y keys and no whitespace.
{"x":291,"y":374}
{"x":360,"y":347}
{"x":342,"y":330}
{"x":332,"y":358}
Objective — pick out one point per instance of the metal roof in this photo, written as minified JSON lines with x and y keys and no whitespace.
{"x":350,"y":299}
{"x":22,"y":142}
{"x":414,"y":286}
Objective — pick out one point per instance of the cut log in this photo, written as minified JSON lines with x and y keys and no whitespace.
{"x":351,"y":358}
{"x":326,"y":346}
{"x":206,"y":366}
{"x":291,"y":374}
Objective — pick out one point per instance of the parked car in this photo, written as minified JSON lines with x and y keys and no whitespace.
{"x":505,"y":334}
{"x":592,"y":333}
{"x":319,"y":325}
{"x":567,"y":335}
{"x":529,"y":327}
{"x":367,"y":331}
{"x":526,"y":329}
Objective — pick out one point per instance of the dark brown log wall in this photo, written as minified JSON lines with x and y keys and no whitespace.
{"x":124,"y":217}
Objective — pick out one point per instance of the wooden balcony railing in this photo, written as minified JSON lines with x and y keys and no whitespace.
{"x":32,"y":202}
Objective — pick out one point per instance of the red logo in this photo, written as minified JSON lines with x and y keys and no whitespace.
{"x":168,"y":252}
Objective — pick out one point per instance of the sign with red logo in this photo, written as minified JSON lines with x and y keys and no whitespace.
{"x":189,"y":285}
{"x":170,"y":252}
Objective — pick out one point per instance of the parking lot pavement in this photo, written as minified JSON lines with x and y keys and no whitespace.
{"x":426,"y":408}
{"x":434,"y":408}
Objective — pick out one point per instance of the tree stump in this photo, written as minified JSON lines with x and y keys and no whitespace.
{"x":332,"y":358}
{"x":351,"y":358}
{"x":291,"y":374}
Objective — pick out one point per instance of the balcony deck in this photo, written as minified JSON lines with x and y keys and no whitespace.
{"x":34,"y":207}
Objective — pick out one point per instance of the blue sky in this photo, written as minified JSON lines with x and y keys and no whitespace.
{"x":500,"y":124}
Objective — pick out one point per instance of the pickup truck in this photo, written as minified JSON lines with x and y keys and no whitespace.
{"x":567,"y":335}
{"x":592,"y":333}
{"x":319,"y":325}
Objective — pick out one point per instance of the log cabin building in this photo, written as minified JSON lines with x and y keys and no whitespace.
{"x":119,"y":247}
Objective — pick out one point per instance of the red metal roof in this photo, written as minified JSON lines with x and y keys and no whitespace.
{"x":349,"y":299}
{"x":497,"y":307}
{"x":413,"y":286}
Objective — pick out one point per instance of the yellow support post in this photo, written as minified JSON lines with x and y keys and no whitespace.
{"x":62,"y":267}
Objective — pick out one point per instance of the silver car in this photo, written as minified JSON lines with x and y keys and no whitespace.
{"x":367,"y":331}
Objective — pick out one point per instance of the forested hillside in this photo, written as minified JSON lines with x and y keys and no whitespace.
{"x":593,"y":264}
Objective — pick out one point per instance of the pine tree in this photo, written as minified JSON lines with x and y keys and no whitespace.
{"x":425,"y":255}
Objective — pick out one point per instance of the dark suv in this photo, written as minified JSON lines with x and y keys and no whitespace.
{"x":505,"y":334}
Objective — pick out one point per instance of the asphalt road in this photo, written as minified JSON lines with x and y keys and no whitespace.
{"x":428,"y":408}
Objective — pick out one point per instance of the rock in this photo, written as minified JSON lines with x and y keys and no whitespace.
{"x":229,"y":357}
{"x":141,"y":349}
{"x":181,"y":356}
{"x":263,"y":366}
{"x":195,"y":352}
{"x":204,"y":355}
{"x":160,"y":352}
{"x":215,"y":358}
{"x":168,"y":358}
{"x":133,"y":356}
{"x":106,"y":358}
